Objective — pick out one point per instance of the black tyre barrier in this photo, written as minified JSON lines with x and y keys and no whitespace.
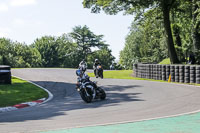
{"x":143,"y":71}
{"x":139,"y":70}
{"x":192,"y":74}
{"x":181,"y":73}
{"x":5,"y":74}
{"x":187,"y":74}
{"x":167,"y":71}
{"x":176,"y":73}
{"x":155,"y":72}
{"x":159,"y":72}
{"x":151,"y":71}
{"x":172,"y":72}
{"x":148,"y":71}
{"x":134,"y":70}
{"x":164,"y":72}
{"x":198,"y":74}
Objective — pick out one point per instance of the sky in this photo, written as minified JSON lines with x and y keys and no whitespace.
{"x":26,"y":20}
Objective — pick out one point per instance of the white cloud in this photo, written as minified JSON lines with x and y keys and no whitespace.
{"x":4,"y":32}
{"x":19,"y":21}
{"x":3,"y":7}
{"x":59,"y":33}
{"x":22,"y":2}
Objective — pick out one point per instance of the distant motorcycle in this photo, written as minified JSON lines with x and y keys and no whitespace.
{"x":89,"y":90}
{"x":99,"y":72}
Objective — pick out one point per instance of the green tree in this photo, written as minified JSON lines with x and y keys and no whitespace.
{"x":104,"y":55}
{"x":49,"y":50}
{"x":144,"y":43}
{"x":139,"y":7}
{"x":27,"y":56}
{"x":69,"y":54}
{"x":86,"y":39}
{"x":196,"y":23}
{"x":6,"y":48}
{"x":17,"y":54}
{"x":196,"y":28}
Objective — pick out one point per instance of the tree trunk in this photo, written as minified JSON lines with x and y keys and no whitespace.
{"x":167,"y":26}
{"x":196,"y":35}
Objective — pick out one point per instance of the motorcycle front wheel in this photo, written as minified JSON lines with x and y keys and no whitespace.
{"x":85,"y":97}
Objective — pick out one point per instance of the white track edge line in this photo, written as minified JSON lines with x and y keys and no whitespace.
{"x":49,"y":93}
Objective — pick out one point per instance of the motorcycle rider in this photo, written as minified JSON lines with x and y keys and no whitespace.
{"x":112,"y":66}
{"x":81,"y":76}
{"x":88,"y":89}
{"x":81,"y":64}
{"x":96,"y":63}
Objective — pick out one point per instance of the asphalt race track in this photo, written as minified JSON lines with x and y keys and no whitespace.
{"x":127,"y":101}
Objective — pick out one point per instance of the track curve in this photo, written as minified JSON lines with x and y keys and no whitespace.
{"x":127,"y":101}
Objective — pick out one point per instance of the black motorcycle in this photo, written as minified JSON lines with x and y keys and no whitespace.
{"x":89,"y":90}
{"x":99,"y":72}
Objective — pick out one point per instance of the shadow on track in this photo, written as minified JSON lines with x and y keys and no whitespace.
{"x":66,"y":99}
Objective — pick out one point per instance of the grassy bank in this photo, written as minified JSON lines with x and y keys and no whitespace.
{"x":127,"y":74}
{"x":119,"y":74}
{"x":20,"y":91}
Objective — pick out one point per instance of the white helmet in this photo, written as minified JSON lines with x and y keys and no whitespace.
{"x":96,"y":60}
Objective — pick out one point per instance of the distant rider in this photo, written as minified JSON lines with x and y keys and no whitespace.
{"x":83,"y":65}
{"x":96,"y":63}
{"x":112,"y":66}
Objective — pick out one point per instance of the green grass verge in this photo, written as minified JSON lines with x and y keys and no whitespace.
{"x":20,"y":91}
{"x":165,"y":61}
{"x":116,"y":74}
{"x":120,"y":74}
{"x":127,"y":74}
